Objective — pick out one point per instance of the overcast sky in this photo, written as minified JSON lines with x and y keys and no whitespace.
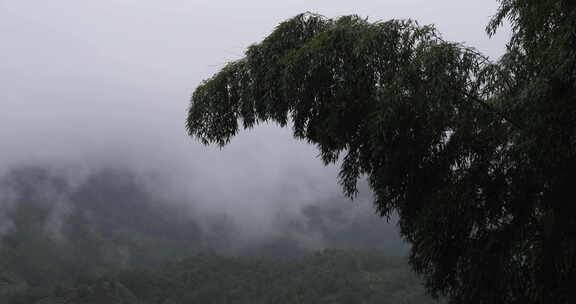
{"x":109,"y":81}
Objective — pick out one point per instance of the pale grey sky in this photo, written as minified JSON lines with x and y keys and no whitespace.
{"x":85,"y":82}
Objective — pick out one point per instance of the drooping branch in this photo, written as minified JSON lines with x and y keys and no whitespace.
{"x":474,"y":156}
{"x":311,"y":66}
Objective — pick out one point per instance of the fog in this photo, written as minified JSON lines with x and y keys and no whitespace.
{"x":86,"y":85}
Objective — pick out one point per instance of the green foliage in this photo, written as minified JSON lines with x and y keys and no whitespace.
{"x":477,"y":157}
{"x":326,"y":277}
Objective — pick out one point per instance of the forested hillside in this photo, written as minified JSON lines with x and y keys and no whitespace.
{"x":105,"y":238}
{"x":326,"y":277}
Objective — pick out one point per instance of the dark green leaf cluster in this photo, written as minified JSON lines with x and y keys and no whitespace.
{"x":477,"y":157}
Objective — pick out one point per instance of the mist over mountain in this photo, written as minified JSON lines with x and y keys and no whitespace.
{"x":112,"y":216}
{"x":88,"y":88}
{"x":58,"y":228}
{"x":98,"y":175}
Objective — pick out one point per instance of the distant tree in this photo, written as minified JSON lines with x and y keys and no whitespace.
{"x":477,"y":157}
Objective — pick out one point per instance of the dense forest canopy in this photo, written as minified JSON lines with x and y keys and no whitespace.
{"x":107,"y":238}
{"x":477,"y":156}
{"x":325,"y":277}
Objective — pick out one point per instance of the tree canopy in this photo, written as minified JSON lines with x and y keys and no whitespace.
{"x":476,"y":156}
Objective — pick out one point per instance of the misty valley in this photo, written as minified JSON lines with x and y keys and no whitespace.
{"x":368,"y":151}
{"x":106,"y":238}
